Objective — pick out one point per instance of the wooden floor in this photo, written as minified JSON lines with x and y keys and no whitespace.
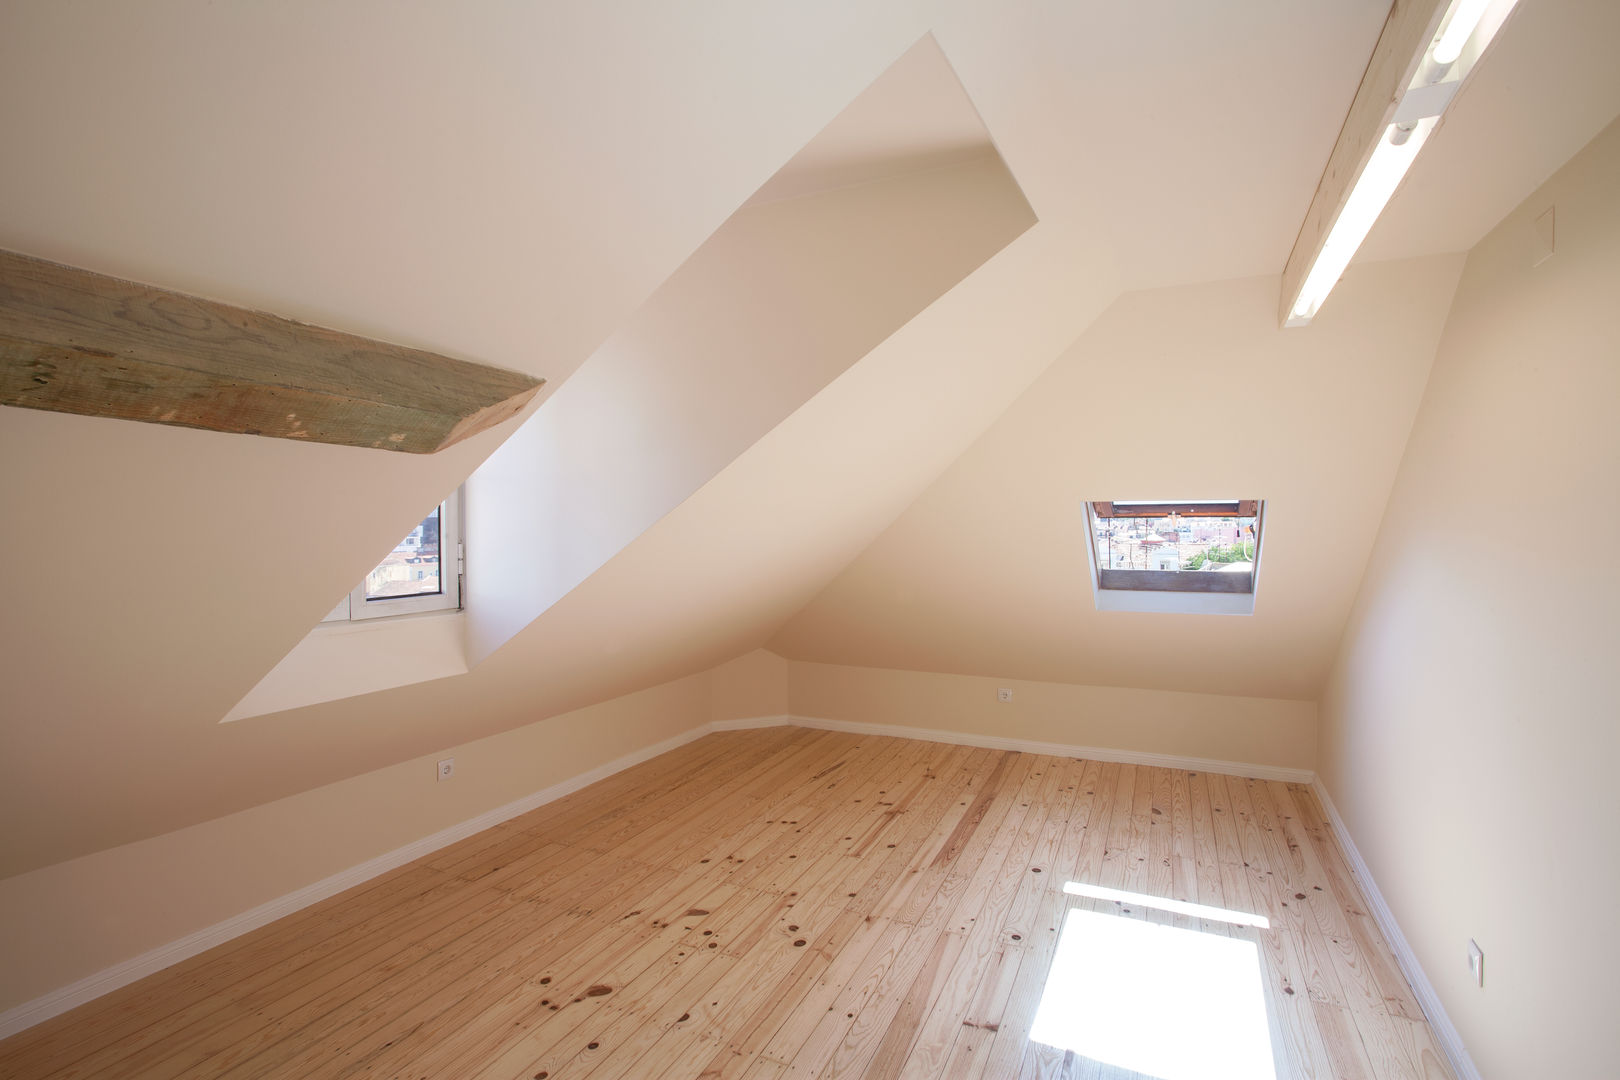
{"x":764,"y":904}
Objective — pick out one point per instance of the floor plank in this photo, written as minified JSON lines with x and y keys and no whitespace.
{"x":774,"y":903}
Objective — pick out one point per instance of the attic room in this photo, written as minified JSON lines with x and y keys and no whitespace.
{"x":963,"y":538}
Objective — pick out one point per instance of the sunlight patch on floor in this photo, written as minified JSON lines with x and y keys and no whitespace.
{"x":1179,"y":907}
{"x":1171,"y":1003}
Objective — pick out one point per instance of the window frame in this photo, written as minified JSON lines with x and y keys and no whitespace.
{"x":1174,"y":591}
{"x":356,"y":607}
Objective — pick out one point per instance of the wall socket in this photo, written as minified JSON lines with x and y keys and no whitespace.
{"x":447,"y":768}
{"x":1476,"y":962}
{"x":1004,"y":695}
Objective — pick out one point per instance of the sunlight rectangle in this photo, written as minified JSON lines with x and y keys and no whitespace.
{"x":1173,"y":1004}
{"x":1178,"y":907}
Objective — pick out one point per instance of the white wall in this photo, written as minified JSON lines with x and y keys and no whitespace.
{"x":72,"y":919}
{"x":783,"y":298}
{"x":1469,"y":724}
{"x":754,"y":686}
{"x":1241,"y":730}
{"x":1188,"y":392}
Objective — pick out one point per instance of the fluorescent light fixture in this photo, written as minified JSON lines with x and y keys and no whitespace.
{"x":1377,"y":183}
{"x":1161,"y":903}
{"x":1464,"y":17}
{"x":1437,"y":73}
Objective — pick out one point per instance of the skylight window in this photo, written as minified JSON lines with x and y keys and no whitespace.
{"x":1193,"y":556}
{"x":421,"y":573}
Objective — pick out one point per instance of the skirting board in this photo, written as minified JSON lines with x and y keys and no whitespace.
{"x":1032,"y":746}
{"x":1439,"y":1023}
{"x":109,"y":979}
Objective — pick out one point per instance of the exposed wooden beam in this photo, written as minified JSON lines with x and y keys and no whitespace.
{"x":78,"y":342}
{"x":1407,"y":32}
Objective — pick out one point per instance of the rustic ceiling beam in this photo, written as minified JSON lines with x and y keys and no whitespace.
{"x":1408,"y":30}
{"x":78,"y":342}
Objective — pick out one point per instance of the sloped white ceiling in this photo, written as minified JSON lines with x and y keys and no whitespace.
{"x":986,"y":573}
{"x":1549,"y":84}
{"x":509,"y":182}
{"x":787,"y":293}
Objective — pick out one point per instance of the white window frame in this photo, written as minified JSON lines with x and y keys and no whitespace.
{"x":357,"y":608}
{"x":1167,"y":598}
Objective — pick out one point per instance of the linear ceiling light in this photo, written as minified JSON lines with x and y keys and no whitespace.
{"x":1426,"y":51}
{"x":1465,"y":15}
{"x":1382,"y":175}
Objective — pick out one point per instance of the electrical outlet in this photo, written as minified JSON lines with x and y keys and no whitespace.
{"x":447,"y":768}
{"x":1476,"y":962}
{"x":1004,"y":695}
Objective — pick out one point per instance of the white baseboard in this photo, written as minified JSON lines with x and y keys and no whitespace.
{"x":109,"y":979}
{"x":782,"y":720}
{"x":1444,"y":1031}
{"x":1095,"y":753}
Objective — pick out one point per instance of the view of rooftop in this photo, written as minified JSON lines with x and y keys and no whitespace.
{"x":1176,"y":543}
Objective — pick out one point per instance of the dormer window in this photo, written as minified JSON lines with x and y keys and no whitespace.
{"x":422,"y":572}
{"x":1199,"y":556}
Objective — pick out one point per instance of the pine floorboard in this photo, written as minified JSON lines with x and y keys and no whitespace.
{"x":772,"y":904}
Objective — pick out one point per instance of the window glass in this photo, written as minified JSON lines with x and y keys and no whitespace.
{"x":421,"y":573}
{"x":412,"y":568}
{"x":1175,"y":542}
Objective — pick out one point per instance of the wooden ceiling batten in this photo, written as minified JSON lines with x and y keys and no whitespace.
{"x":79,"y":342}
